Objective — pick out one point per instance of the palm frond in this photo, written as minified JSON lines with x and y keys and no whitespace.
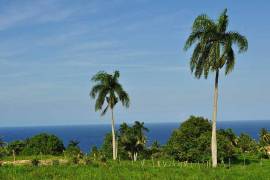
{"x":100,"y":99}
{"x":95,"y":89}
{"x":193,"y":37}
{"x":203,"y":23}
{"x":116,"y":75}
{"x":223,"y":21}
{"x":238,"y":39}
{"x":105,"y":110}
{"x":100,"y":76}
{"x":123,"y":95}
{"x":230,"y":61}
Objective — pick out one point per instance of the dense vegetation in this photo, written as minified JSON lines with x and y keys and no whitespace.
{"x":186,"y":155}
{"x":190,"y":142}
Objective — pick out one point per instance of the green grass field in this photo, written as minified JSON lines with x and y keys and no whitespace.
{"x":137,"y":170}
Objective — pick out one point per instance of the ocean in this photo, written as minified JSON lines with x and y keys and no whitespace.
{"x":92,"y":135}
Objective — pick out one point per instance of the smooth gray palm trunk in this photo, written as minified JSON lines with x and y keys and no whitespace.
{"x":113,"y":138}
{"x":214,"y":123}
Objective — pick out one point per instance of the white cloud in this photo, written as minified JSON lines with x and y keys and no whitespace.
{"x":35,"y":12}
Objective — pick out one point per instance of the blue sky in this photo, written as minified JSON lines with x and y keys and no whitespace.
{"x":50,"y":49}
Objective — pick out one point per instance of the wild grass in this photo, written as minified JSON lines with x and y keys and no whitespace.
{"x":137,"y":170}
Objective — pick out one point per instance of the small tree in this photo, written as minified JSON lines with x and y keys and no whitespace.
{"x":43,"y":144}
{"x":133,"y":139}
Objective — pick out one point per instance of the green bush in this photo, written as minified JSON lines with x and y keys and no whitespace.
{"x":16,"y":146}
{"x":192,"y":142}
{"x":75,"y":160}
{"x":87,"y":160}
{"x":45,"y":144}
{"x":55,"y":162}
{"x":73,"y":150}
{"x":35,"y":162}
{"x":103,"y":159}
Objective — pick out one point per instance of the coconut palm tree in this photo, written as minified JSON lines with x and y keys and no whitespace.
{"x":213,"y":50}
{"x":108,"y":88}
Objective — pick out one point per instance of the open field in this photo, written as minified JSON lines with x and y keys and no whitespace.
{"x":137,"y":170}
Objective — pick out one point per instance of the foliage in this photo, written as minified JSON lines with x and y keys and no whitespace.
{"x":108,"y":88}
{"x":43,"y":144}
{"x":264,"y":137}
{"x":35,"y":162}
{"x":183,"y":143}
{"x":132,"y":139}
{"x":213,"y":45}
{"x":16,"y":146}
{"x":3,"y":150}
{"x":246,"y":144}
{"x":264,"y":142}
{"x":106,"y":147}
{"x":156,"y":150}
{"x":192,"y":141}
{"x":73,"y":149}
{"x":95,"y":153}
{"x":2,"y":142}
{"x":55,"y":162}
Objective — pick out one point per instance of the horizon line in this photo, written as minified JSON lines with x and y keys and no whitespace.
{"x":90,"y":124}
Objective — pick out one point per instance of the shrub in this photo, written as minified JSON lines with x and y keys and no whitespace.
{"x":43,"y":144}
{"x":88,"y":161}
{"x":75,"y":160}
{"x":16,"y":146}
{"x":55,"y":162}
{"x":73,"y":150}
{"x":192,"y":142}
{"x":35,"y":162}
{"x":183,"y":144}
{"x":103,"y":159}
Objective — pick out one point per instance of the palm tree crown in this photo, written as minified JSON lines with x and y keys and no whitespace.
{"x":213,"y":45}
{"x":108,"y":88}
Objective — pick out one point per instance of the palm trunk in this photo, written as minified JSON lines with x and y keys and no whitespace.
{"x":113,"y":137}
{"x":214,"y":123}
{"x":135,"y":156}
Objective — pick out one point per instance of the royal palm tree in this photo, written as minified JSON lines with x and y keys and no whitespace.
{"x":213,"y":50}
{"x":108,"y":88}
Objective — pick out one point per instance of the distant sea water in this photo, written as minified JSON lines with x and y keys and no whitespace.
{"x":93,"y":135}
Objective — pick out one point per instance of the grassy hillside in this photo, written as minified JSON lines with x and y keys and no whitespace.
{"x":137,"y":170}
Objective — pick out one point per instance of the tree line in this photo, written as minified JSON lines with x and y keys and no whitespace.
{"x":190,"y":142}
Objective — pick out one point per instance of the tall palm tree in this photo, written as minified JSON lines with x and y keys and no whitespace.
{"x":213,"y":50}
{"x":108,"y":88}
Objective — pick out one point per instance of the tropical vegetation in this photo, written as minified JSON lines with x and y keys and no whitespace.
{"x":108,"y":88}
{"x":213,"y":50}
